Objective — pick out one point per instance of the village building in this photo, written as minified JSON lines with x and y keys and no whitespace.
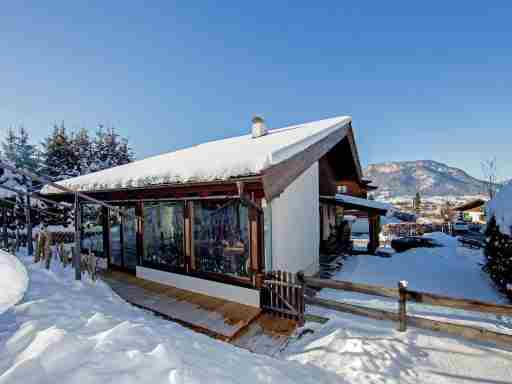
{"x":473,"y":211}
{"x":214,"y":218}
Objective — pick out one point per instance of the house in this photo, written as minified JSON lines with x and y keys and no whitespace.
{"x":472,"y":211}
{"x":213,"y":218}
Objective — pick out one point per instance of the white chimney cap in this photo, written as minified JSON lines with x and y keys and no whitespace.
{"x":258,"y":127}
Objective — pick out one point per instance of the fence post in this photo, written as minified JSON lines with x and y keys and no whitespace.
{"x":300,"y":304}
{"x":77,"y":251}
{"x":402,"y":301}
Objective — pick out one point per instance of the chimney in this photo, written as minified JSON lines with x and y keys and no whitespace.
{"x":258,"y":127}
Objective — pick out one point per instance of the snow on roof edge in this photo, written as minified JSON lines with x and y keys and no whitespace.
{"x":218,"y":160}
{"x":363,"y":202}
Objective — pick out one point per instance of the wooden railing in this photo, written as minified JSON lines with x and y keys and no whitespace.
{"x":282,"y":294}
{"x":403,"y":295}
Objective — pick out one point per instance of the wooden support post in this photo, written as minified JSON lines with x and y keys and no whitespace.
{"x":139,"y":214}
{"x":374,"y":224}
{"x":105,"y":212}
{"x":30,"y":244}
{"x":402,"y":302}
{"x":77,"y":248}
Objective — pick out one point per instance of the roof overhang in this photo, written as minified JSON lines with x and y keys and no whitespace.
{"x":357,"y":203}
{"x":470,"y":205}
{"x":279,"y":176}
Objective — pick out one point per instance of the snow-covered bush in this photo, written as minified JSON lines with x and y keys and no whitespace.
{"x":498,"y":253}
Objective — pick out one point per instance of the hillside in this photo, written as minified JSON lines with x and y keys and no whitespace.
{"x":430,"y":178}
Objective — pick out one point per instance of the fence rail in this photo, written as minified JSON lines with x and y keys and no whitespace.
{"x":402,"y":294}
{"x":416,"y":296}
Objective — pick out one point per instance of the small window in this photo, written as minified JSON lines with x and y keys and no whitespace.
{"x":341,"y":189}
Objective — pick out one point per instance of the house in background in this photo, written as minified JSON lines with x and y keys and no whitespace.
{"x":214,"y":218}
{"x":472,"y":211}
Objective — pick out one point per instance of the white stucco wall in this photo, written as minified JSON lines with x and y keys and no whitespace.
{"x":296,"y":225}
{"x":206,"y":287}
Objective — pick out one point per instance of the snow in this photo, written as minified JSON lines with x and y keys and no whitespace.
{"x":363,"y":202}
{"x":81,"y":332}
{"x":218,"y":160}
{"x":363,"y":350}
{"x":501,"y":208}
{"x":13,"y":281}
{"x":450,"y":270}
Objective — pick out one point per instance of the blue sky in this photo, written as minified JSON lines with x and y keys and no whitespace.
{"x":422,"y":80}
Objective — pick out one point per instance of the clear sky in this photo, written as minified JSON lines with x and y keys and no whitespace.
{"x":422,"y":80}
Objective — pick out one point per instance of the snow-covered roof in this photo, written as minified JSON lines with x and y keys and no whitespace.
{"x":363,"y":202}
{"x":501,"y":208}
{"x":213,"y":161}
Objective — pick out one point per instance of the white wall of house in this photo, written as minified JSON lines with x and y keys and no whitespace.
{"x":296,"y":225}
{"x":229,"y":292}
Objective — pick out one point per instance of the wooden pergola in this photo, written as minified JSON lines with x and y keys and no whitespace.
{"x":77,"y":197}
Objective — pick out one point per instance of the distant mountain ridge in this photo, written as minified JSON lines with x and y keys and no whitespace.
{"x":430,"y":178}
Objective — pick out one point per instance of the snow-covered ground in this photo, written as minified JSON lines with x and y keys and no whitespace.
{"x":451,"y":270}
{"x":13,"y":281}
{"x":65,"y":331}
{"x":362,"y":350}
{"x":366,"y":351}
{"x":80,"y":332}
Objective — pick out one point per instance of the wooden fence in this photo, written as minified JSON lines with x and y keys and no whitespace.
{"x":282,"y":294}
{"x":403,"y":295}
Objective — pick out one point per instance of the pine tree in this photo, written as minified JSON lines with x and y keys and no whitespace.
{"x":58,"y":156}
{"x":110,"y":149}
{"x":20,"y":153}
{"x":83,"y":150}
{"x":498,"y":253}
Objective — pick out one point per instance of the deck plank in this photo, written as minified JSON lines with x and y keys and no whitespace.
{"x":211,"y":315}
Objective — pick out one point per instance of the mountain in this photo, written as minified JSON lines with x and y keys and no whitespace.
{"x":430,"y":178}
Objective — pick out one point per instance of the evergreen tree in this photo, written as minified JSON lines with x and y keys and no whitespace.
{"x":58,"y":156}
{"x":498,"y":253}
{"x":110,"y":149}
{"x":84,"y":152}
{"x":20,"y":153}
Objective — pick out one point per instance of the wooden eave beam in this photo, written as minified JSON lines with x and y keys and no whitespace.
{"x":277,"y":177}
{"x":181,"y":191}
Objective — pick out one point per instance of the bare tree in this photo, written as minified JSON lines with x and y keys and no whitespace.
{"x":489,"y":171}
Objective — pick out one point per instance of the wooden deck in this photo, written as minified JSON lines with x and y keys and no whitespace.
{"x":216,"y":317}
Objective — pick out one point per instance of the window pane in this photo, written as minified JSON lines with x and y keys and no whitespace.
{"x":92,"y":229}
{"x":163,"y":234}
{"x":221,"y":237}
{"x":116,"y":255}
{"x":129,"y":221}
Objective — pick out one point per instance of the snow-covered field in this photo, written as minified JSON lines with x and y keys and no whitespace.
{"x":80,"y":332}
{"x":366,"y":351}
{"x":450,"y":270}
{"x":369,"y":351}
{"x":65,"y":331}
